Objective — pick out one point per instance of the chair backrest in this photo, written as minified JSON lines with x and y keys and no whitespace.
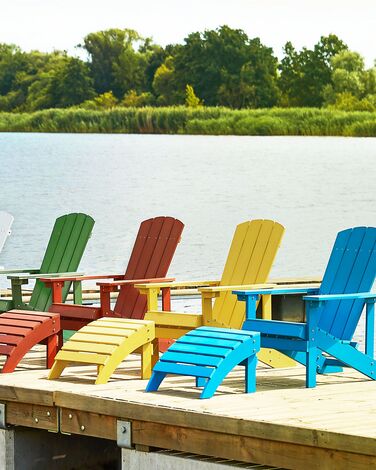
{"x":64,"y":251}
{"x":250,"y":259}
{"x":151,"y":257}
{"x":351,"y":269}
{"x":6,"y":221}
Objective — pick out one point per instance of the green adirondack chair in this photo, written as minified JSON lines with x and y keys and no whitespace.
{"x":65,"y":248}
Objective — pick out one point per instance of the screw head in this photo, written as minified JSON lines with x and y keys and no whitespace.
{"x":82,"y":428}
{"x":36,"y":420}
{"x":48,"y":413}
{"x":70,"y":416}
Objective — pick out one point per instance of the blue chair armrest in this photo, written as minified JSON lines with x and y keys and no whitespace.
{"x":358,"y":295}
{"x":286,"y":290}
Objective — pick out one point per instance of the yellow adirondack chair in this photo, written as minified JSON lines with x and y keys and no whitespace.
{"x":250,"y":259}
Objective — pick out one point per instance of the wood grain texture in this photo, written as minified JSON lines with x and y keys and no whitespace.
{"x":336,"y":418}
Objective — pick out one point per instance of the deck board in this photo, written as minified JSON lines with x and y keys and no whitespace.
{"x":339,"y":414}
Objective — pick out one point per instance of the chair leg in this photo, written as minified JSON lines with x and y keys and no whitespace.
{"x":155,"y":381}
{"x":57,"y":369}
{"x":155,"y":356}
{"x":52,"y":348}
{"x":60,"y":340}
{"x":311,"y":367}
{"x":201,"y":381}
{"x":146,"y":360}
{"x":250,"y":374}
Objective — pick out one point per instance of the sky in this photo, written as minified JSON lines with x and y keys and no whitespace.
{"x":62,"y":24}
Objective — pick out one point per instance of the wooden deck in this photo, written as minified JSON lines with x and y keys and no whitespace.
{"x":283,"y":424}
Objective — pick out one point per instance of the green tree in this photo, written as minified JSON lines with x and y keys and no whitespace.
{"x":304,"y":74}
{"x":191,"y":100}
{"x":164,"y":84}
{"x":118,"y":60}
{"x":12,"y":61}
{"x":104,"y":101}
{"x":41,"y":93}
{"x":352,"y":87}
{"x":134,"y":100}
{"x":71,"y":83}
{"x":212,"y":63}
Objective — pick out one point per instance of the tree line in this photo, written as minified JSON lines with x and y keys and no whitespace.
{"x":221,"y":67}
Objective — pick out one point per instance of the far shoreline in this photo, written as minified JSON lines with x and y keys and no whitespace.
{"x":205,"y":121}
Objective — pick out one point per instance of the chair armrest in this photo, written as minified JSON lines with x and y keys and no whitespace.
{"x":77,"y":277}
{"x":324,"y":298}
{"x":126,"y":282}
{"x":156,"y":285}
{"x":277,"y":291}
{"x":15,"y":271}
{"x":250,"y":297}
{"x":57,"y":277}
{"x":231,"y":288}
{"x":152,"y":290}
{"x":110,"y":286}
{"x":292,"y":281}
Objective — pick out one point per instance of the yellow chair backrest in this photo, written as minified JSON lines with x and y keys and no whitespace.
{"x":250,"y":259}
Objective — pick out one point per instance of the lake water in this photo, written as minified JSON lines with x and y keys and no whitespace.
{"x":313,"y":186}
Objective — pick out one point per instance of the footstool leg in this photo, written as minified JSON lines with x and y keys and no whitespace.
{"x":250,"y":374}
{"x":201,"y":381}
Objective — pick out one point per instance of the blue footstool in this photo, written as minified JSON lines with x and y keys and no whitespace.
{"x":209,"y":354}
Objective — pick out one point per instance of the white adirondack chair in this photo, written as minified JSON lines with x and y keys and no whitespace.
{"x":6,"y":221}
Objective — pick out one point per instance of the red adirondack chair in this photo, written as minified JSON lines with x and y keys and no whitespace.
{"x":150,"y":259}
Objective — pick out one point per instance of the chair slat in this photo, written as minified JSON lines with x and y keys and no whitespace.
{"x":151,"y":256}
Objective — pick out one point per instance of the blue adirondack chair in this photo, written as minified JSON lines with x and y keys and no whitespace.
{"x":324,"y":343}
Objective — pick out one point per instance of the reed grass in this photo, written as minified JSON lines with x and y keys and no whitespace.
{"x":202,"y":120}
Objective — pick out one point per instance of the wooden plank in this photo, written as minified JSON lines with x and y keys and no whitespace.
{"x":32,"y":416}
{"x":87,"y":424}
{"x":246,"y":449}
{"x":180,"y":416}
{"x":26,"y":395}
{"x":175,"y":319}
{"x":91,"y":358}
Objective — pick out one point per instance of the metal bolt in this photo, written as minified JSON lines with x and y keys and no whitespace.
{"x":48,"y":413}
{"x":70,"y":416}
{"x":82,"y":428}
{"x":36,"y":420}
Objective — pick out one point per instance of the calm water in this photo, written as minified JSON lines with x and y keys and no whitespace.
{"x":313,"y":186}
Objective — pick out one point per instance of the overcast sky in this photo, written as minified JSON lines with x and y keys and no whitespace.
{"x":61,"y":24}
